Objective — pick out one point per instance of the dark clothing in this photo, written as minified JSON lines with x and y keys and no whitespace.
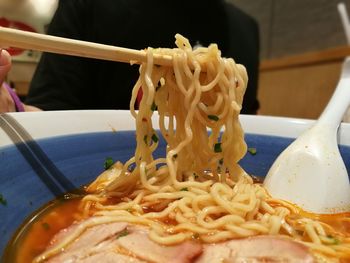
{"x":66,"y":82}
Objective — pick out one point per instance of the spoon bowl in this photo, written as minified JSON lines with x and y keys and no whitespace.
{"x":310,"y":172}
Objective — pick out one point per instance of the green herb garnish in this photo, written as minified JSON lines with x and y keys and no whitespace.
{"x":158,"y":86}
{"x":124,"y":233}
{"x":108,"y":163}
{"x":217,"y":147}
{"x":334,"y":241}
{"x":46,"y":226}
{"x":184,"y":189}
{"x":154,"y":106}
{"x":155,"y":138}
{"x":213,"y":117}
{"x":3,"y":201}
{"x":195,"y":236}
{"x":252,"y":151}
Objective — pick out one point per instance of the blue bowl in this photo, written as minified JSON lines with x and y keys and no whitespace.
{"x":36,"y":172}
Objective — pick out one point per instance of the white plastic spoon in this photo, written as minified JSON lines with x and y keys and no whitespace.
{"x":310,"y":172}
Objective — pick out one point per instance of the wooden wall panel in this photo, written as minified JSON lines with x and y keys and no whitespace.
{"x":300,"y":92}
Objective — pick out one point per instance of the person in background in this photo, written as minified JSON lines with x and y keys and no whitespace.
{"x":71,"y":83}
{"x":9,"y":101}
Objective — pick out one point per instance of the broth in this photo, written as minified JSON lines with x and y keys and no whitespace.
{"x":34,"y":235}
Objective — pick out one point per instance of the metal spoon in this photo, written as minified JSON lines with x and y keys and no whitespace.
{"x":310,"y":172}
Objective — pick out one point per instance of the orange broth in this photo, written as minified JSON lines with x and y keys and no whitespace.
{"x":35,"y":234}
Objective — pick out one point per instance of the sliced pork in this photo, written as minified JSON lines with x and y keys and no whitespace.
{"x":120,"y":242}
{"x":88,"y":241}
{"x":256,"y":249}
{"x":109,"y":257}
{"x":123,"y":242}
{"x":139,"y":244}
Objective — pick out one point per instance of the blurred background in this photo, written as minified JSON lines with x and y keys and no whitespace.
{"x":302,"y":46}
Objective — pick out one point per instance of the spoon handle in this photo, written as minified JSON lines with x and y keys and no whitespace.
{"x":340,"y":100}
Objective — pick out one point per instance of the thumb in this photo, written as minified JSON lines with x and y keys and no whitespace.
{"x":5,"y":64}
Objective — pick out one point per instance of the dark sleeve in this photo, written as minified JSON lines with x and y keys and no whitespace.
{"x":250,"y":102}
{"x":245,"y":49}
{"x":62,"y":82}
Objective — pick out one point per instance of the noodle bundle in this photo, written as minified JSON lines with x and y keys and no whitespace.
{"x":198,"y":190}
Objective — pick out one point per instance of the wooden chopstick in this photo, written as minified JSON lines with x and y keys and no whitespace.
{"x":33,"y":41}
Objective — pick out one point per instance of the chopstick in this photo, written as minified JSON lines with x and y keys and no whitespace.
{"x":34,"y":41}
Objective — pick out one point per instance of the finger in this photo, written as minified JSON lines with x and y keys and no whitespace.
{"x":5,"y":64}
{"x":7,"y":104}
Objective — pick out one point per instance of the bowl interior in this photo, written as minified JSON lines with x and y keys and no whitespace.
{"x":36,"y":172}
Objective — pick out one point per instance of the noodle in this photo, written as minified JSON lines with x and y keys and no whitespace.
{"x":199,"y":186}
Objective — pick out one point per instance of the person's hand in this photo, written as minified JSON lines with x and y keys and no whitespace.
{"x":6,"y":102}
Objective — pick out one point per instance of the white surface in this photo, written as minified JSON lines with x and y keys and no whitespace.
{"x":345,"y":20}
{"x":313,"y":157}
{"x":57,"y":123}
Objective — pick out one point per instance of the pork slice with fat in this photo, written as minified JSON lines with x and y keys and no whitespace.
{"x":138,"y":242}
{"x":123,"y":242}
{"x":120,"y":242}
{"x":257,"y":249}
{"x":87,"y":242}
{"x":109,"y":257}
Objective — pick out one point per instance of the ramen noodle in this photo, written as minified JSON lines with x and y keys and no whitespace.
{"x":198,"y":191}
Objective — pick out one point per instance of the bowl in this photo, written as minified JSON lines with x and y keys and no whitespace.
{"x":45,"y":154}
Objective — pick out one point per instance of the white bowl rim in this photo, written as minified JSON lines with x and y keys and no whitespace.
{"x":48,"y":124}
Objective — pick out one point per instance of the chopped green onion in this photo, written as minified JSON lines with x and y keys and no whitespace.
{"x":195,"y":236}
{"x":124,"y":233}
{"x":154,"y":106}
{"x":3,"y":201}
{"x":252,"y":151}
{"x":334,"y":240}
{"x":184,"y":189}
{"x":158,"y":86}
{"x":108,"y":163}
{"x":217,"y":147}
{"x":213,"y":117}
{"x":46,"y":226}
{"x":155,"y":138}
